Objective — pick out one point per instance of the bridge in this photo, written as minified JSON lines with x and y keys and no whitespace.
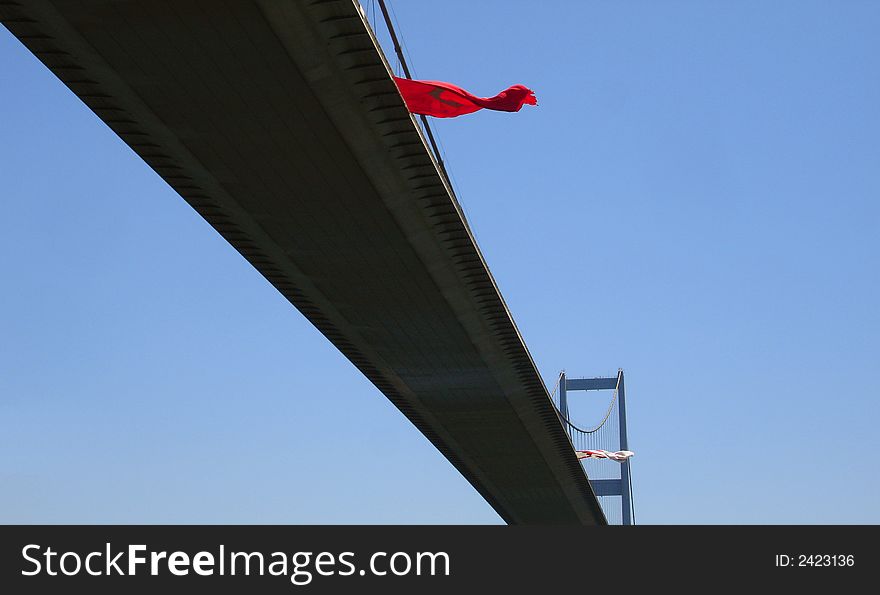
{"x":280,"y":124}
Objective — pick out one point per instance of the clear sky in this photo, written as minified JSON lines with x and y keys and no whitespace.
{"x":696,"y":199}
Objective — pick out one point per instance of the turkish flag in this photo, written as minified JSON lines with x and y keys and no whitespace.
{"x":445,"y":100}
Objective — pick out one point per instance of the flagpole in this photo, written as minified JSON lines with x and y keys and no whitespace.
{"x":408,"y":74}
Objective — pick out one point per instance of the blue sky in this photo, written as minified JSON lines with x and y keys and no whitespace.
{"x":695,"y":199}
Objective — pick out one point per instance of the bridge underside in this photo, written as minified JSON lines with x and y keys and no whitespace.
{"x":280,"y":124}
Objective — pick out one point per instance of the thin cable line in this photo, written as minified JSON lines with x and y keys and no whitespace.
{"x":601,"y":423}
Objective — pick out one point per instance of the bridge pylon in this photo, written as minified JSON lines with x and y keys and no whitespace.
{"x":604,"y":436}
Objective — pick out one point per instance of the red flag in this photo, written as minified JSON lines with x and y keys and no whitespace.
{"x":444,"y":100}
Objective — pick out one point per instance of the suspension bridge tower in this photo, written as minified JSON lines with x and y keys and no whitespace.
{"x":611,"y":481}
